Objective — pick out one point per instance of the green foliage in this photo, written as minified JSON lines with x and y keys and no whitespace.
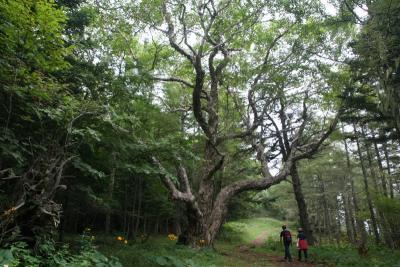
{"x":246,"y":230}
{"x":49,"y":254}
{"x":340,"y":255}
{"x":232,"y":231}
{"x":6,"y":256}
{"x":346,"y":255}
{"x":391,"y":210}
{"x":160,"y":251}
{"x":31,"y":38}
{"x":77,"y":78}
{"x":376,"y":67}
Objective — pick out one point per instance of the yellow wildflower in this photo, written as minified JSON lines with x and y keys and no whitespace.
{"x":126,"y":242}
{"x":172,"y":237}
{"x":10,"y":211}
{"x":120,"y":238}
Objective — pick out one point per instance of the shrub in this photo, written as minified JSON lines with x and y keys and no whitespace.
{"x":49,"y":254}
{"x":232,"y":231}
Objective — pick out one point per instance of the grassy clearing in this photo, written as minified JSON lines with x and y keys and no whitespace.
{"x":160,"y":251}
{"x":345,"y":255}
{"x":246,"y":230}
{"x":342,"y":255}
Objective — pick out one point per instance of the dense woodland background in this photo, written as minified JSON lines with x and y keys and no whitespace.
{"x":146,"y":118}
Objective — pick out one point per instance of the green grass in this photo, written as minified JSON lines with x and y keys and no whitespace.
{"x":342,"y":255}
{"x":346,"y":255}
{"x":160,"y":251}
{"x":246,"y":230}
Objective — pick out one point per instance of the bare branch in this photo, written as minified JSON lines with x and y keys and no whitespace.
{"x":187,"y":196}
{"x":60,"y":170}
{"x":246,"y":185}
{"x":182,"y":174}
{"x":172,"y":35}
{"x":263,"y":161}
{"x":266,"y":57}
{"x":278,"y":136}
{"x":313,"y":147}
{"x":174,"y":79}
{"x":185,"y":32}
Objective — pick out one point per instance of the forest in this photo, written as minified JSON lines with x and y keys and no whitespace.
{"x":186,"y":133}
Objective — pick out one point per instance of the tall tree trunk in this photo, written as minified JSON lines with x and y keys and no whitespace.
{"x":126,"y":217}
{"x":381,"y":172}
{"x":367,"y":192}
{"x":61,"y":229}
{"x":131,"y":225}
{"x":348,"y":218}
{"x":139,"y":207}
{"x":359,"y":222}
{"x":391,"y":193}
{"x":325,"y":208}
{"x":301,"y":204}
{"x":384,"y":226}
{"x":352,"y":214}
{"x":156,"y":226}
{"x":144,"y":225}
{"x":110,"y":192}
{"x":370,"y":164}
{"x":338,"y":221}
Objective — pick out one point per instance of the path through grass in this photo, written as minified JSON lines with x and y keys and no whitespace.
{"x":160,"y":251}
{"x":244,"y":243}
{"x":252,"y":241}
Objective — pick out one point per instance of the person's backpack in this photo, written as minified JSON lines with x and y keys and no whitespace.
{"x":287,"y":237}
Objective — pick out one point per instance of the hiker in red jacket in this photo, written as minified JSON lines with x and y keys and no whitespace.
{"x":286,"y":239}
{"x":302,"y":244}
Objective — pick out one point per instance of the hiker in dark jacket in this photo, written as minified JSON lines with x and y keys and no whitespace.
{"x":302,"y":244}
{"x":286,"y":239}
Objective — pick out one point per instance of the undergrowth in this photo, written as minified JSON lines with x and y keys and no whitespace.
{"x":49,"y":254}
{"x":342,"y":255}
{"x":159,"y":251}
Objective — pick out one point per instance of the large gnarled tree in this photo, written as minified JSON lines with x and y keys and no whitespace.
{"x":235,"y":50}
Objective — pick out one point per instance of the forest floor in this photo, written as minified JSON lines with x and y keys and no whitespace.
{"x":255,"y":250}
{"x":244,"y":243}
{"x":251,"y":257}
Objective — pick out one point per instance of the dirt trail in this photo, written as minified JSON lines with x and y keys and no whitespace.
{"x":246,"y":253}
{"x":259,"y":241}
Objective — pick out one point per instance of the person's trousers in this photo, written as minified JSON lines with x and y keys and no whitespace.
{"x":305,"y":253}
{"x":287,"y":252}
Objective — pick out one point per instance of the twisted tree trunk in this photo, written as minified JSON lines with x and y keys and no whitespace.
{"x":34,"y":213}
{"x":207,"y":208}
